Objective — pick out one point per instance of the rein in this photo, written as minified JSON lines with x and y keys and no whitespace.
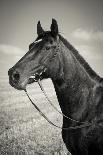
{"x":42,"y":89}
{"x":83,"y":125}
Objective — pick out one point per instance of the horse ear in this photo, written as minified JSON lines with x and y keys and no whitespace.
{"x":54,"y":28}
{"x":40,"y":30}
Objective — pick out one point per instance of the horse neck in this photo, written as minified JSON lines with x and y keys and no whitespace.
{"x":73,"y":87}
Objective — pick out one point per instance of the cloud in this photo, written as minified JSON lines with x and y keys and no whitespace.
{"x":87,"y":35}
{"x":9,"y":55}
{"x":94,"y":58}
{"x":89,"y":52}
{"x":10,"y":50}
{"x":85,"y":51}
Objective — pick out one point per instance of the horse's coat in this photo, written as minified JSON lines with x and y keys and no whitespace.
{"x":79,"y":89}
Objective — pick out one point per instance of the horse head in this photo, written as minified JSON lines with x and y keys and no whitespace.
{"x":41,"y":61}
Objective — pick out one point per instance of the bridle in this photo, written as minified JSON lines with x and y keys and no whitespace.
{"x":82,"y":124}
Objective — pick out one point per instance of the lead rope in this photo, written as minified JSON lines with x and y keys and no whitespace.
{"x":50,"y":122}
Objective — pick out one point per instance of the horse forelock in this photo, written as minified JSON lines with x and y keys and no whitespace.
{"x":45,"y":34}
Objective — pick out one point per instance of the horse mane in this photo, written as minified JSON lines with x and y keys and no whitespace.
{"x":81,"y":60}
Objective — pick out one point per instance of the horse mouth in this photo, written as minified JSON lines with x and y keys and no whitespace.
{"x":39,"y":75}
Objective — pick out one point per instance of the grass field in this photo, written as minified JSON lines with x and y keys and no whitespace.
{"x":22,"y":130}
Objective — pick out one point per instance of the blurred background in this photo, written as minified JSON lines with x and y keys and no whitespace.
{"x":22,"y":130}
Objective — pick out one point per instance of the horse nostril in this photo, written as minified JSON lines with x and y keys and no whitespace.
{"x":15,"y":76}
{"x":10,"y":71}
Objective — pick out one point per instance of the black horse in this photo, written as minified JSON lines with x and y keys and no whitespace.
{"x":79,"y":89}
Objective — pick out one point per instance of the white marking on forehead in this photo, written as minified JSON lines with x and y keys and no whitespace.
{"x":37,"y":41}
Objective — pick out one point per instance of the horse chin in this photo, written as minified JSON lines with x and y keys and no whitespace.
{"x":19,"y":85}
{"x":31,"y":80}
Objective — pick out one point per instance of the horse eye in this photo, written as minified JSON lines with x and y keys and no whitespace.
{"x":47,"y":48}
{"x":51,"y":41}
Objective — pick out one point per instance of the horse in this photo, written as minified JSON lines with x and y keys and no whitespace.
{"x":78,"y":88}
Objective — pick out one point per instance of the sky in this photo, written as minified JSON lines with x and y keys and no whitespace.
{"x":79,"y":21}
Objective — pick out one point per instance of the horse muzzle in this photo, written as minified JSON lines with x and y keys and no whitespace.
{"x":15,"y":79}
{"x":18,"y":81}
